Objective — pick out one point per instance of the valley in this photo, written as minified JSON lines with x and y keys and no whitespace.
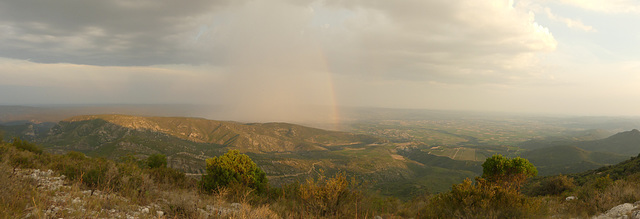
{"x":396,"y":154}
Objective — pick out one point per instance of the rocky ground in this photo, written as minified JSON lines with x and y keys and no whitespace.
{"x":68,"y":201}
{"x":623,"y":211}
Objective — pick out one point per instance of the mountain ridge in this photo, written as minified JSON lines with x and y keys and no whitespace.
{"x":253,"y":137}
{"x":627,"y":143}
{"x":567,"y":159}
{"x":624,"y":143}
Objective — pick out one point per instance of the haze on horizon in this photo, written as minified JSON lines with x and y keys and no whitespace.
{"x":267,"y":59}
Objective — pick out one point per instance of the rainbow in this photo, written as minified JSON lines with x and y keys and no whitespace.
{"x":334,"y":116}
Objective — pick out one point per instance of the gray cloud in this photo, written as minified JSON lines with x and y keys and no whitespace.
{"x":409,"y":40}
{"x":452,"y":41}
{"x":118,"y":32}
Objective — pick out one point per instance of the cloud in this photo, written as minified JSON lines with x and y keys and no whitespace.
{"x":452,"y":41}
{"x":574,"y":24}
{"x":25,"y":82}
{"x":606,"y":6}
{"x":266,"y":58}
{"x":119,"y":32}
{"x":408,"y":40}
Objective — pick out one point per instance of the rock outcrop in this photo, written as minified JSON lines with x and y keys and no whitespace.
{"x":623,"y":211}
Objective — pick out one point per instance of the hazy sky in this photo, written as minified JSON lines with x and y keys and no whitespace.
{"x":266,"y":57}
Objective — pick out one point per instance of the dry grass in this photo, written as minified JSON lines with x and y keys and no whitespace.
{"x":593,"y":200}
{"x":17,"y":194}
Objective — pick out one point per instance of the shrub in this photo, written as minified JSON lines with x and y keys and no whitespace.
{"x":22,"y":161}
{"x":482,"y":200}
{"x":25,"y":145}
{"x":233,"y":168}
{"x":74,"y":155}
{"x":94,"y":177}
{"x":603,"y":182}
{"x":495,"y":195}
{"x":326,"y":197}
{"x":157,"y":161}
{"x":508,"y":172}
{"x":171,"y":176}
{"x":555,"y":185}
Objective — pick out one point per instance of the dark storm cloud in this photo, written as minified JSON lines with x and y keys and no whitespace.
{"x":117,"y":32}
{"x":454,"y":42}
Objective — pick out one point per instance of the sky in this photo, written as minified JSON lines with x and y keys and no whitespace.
{"x":271,"y":59}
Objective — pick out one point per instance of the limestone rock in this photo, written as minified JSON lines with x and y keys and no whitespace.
{"x":619,"y":211}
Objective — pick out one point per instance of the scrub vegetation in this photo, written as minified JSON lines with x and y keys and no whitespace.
{"x":234,"y":184}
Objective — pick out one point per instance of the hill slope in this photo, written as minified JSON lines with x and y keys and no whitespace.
{"x":627,"y":143}
{"x":565,"y":139}
{"x":569,"y":159}
{"x":268,"y":137}
{"x":626,"y":169}
{"x":286,"y":152}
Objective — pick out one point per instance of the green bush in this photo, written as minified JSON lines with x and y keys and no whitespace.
{"x":74,"y":155}
{"x":171,"y":176}
{"x":95,"y":177}
{"x":603,"y":182}
{"x":22,"y":161}
{"x":25,"y":145}
{"x":555,"y":185}
{"x":233,"y":168}
{"x":157,"y":161}
{"x":508,"y":172}
{"x":482,"y":200}
{"x":495,"y":195}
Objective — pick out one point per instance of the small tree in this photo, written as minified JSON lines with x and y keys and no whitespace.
{"x":233,"y":168}
{"x":510,"y":172}
{"x":157,"y":161}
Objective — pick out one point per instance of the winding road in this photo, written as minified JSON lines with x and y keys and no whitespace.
{"x":313,"y":167}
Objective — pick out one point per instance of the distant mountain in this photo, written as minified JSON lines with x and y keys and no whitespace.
{"x":569,"y":159}
{"x":26,"y":130}
{"x":188,"y":141}
{"x":565,"y":139}
{"x":627,"y":143}
{"x":253,"y":137}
